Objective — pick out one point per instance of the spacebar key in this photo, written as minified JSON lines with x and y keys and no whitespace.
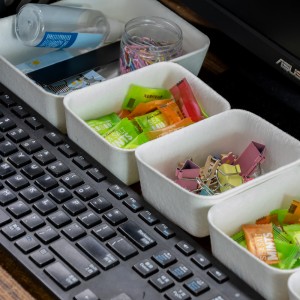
{"x":74,"y":259}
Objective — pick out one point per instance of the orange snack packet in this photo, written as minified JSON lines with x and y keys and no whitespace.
{"x":260,"y":242}
{"x":147,"y":107}
{"x":123,"y":113}
{"x":171,"y":111}
{"x":293,"y":214}
{"x":268,"y":219}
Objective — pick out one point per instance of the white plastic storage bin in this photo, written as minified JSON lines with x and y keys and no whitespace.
{"x":101,"y":99}
{"x":12,"y":52}
{"x":226,"y":218}
{"x":294,"y":286}
{"x":229,"y":131}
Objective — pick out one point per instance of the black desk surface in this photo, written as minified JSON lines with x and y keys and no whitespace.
{"x":241,"y":78}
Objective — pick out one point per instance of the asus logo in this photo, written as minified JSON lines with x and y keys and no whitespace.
{"x":288,"y":68}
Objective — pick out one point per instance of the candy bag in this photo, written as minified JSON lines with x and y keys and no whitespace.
{"x":103,"y":124}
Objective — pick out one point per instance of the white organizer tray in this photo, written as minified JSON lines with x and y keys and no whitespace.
{"x":101,"y":99}
{"x":12,"y":52}
{"x":231,"y":130}
{"x":227,"y":217}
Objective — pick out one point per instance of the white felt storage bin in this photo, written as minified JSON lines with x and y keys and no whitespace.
{"x":12,"y":52}
{"x":102,"y":99}
{"x":226,"y":218}
{"x":231,"y":130}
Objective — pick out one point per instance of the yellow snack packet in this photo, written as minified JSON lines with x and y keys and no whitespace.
{"x":260,"y":242}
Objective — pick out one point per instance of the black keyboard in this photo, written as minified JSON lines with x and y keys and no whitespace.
{"x":83,"y":234}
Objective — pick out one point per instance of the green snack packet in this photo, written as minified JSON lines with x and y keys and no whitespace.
{"x":139,"y":140}
{"x":280,"y":235}
{"x":239,"y":237}
{"x":122,"y":133}
{"x":103,"y":124}
{"x":281,"y":213}
{"x":293,"y":231}
{"x":288,"y":254}
{"x":151,"y":121}
{"x":138,"y":94}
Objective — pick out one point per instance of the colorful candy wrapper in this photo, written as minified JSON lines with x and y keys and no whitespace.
{"x":293,"y":231}
{"x":152,"y":121}
{"x":187,"y":102}
{"x":103,"y":124}
{"x":139,"y":140}
{"x":171,"y":111}
{"x":281,"y":213}
{"x":260,"y":242}
{"x":293,"y":214}
{"x":144,"y":108}
{"x":123,"y":113}
{"x":239,"y":237}
{"x":287,"y":253}
{"x":138,"y":94}
{"x":122,"y":133}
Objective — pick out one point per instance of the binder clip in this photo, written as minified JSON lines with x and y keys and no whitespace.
{"x":251,"y":158}
{"x":229,"y":176}
{"x":187,"y":174}
{"x":228,"y":158}
{"x":209,"y":170}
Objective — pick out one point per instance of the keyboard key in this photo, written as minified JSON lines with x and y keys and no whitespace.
{"x":104,"y":232}
{"x":71,"y":256}
{"x":19,"y":159}
{"x":44,"y":157}
{"x":123,"y":248}
{"x":161,"y":281}
{"x":18,"y":209}
{"x":74,"y":207}
{"x":54,"y":138}
{"x":17,"y":182}
{"x":46,"y":182}
{"x":59,"y":219}
{"x":196,"y":286}
{"x":13,"y":231}
{"x":60,"y":194}
{"x":164,"y":231}
{"x":58,"y":169}
{"x":47,"y":234}
{"x":180,"y":272}
{"x":7,"y":100}
{"x":177,"y":294}
{"x":45,"y":206}
{"x":217,"y":275}
{"x":97,"y":252}
{"x":27,"y":244}
{"x":201,"y":261}
{"x":117,"y":192}
{"x":6,"y":170}
{"x":96,"y":174}
{"x":34,"y":123}
{"x":81,"y":162}
{"x":6,"y":124}
{"x":115,"y":217}
{"x":133,"y":204}
{"x":32,"y":171}
{"x":89,"y":219}
{"x":137,"y":235}
{"x":62,"y":276}
{"x":100,"y":204}
{"x":18,"y":135}
{"x":67,"y":150}
{"x":31,"y":194}
{"x":33,"y":222}
{"x":86,"y":192}
{"x":42,"y":257}
{"x":86,"y":295}
{"x":31,"y":146}
{"x":185,"y":248}
{"x":72,"y":180}
{"x":73,"y":231}
{"x":145,"y":268}
{"x":148,"y":217}
{"x":164,"y":258}
{"x":4,"y":218}
{"x":7,"y":197}
{"x":7,"y":148}
{"x":20,"y":111}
